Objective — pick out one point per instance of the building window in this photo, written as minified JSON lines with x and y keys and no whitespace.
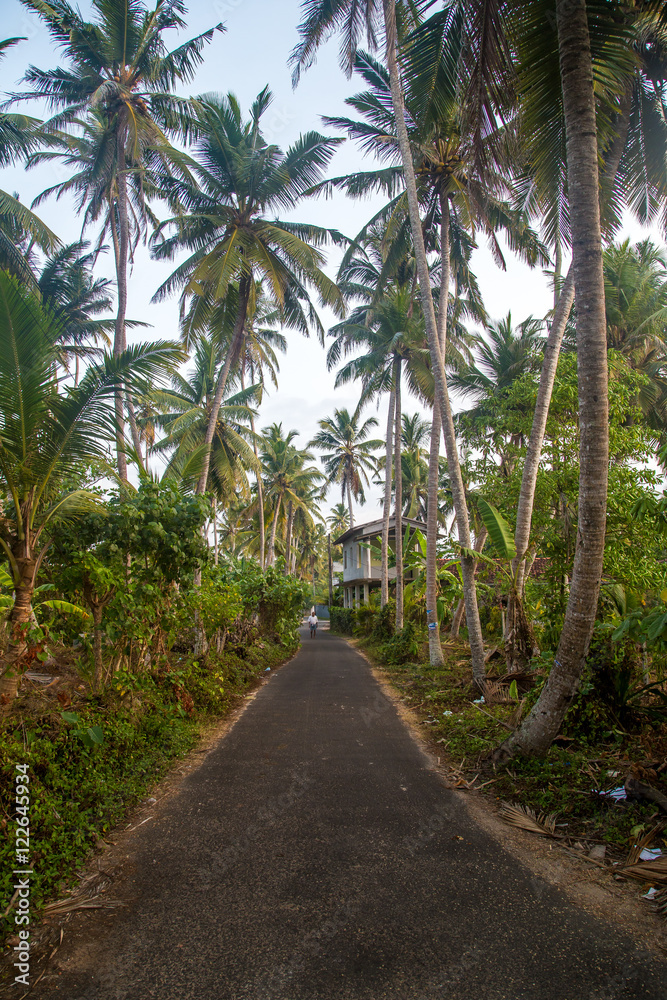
{"x":344,"y":558}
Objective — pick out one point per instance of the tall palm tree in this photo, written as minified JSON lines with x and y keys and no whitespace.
{"x":19,"y":135}
{"x":289,"y":484}
{"x":378,"y":269}
{"x":68,"y":288}
{"x":213,"y":318}
{"x":49,"y":438}
{"x":184,"y":414}
{"x":415,"y":433}
{"x":240,"y":180}
{"x":544,"y":721}
{"x":119,"y":66}
{"x":320,"y":20}
{"x":628,"y":56}
{"x":348,"y":454}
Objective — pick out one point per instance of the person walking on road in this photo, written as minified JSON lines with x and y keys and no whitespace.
{"x":312,"y":622}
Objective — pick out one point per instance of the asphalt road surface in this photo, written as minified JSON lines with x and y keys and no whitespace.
{"x":316,"y":855}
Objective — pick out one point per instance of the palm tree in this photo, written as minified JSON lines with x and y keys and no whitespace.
{"x":48,"y":439}
{"x":240,"y":180}
{"x":320,"y":19}
{"x":68,"y":288}
{"x":289,"y":484}
{"x":627,"y":52}
{"x":20,"y":229}
{"x":415,"y":468}
{"x":378,"y":270}
{"x":543,"y":723}
{"x":337,"y":522}
{"x":211,"y":318}
{"x":184,"y":414}
{"x":119,"y":66}
{"x":348,"y":458}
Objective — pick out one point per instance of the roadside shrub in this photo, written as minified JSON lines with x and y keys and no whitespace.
{"x":402,"y":647}
{"x":342,"y":620}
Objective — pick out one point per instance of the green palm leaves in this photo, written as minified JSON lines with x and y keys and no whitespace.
{"x":348,"y":454}
{"x":239,"y":182}
{"x":47,"y":435}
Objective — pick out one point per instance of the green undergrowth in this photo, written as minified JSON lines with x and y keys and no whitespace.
{"x":564,"y":781}
{"x":80,"y":788}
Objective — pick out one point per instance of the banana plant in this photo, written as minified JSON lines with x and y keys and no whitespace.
{"x":448,"y":581}
{"x":519,"y":640}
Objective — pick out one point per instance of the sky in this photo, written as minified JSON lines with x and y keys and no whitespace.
{"x":254,"y":51}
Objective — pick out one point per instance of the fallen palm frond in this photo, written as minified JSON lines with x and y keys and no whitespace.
{"x":647,"y":871}
{"x":87,"y":896}
{"x":660,"y":900}
{"x":496,"y":693}
{"x":526,"y":819}
{"x":68,"y":905}
{"x":636,"y":850}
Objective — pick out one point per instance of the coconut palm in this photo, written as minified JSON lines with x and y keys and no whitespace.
{"x":20,"y":229}
{"x":184,"y":414}
{"x":289,"y":484}
{"x":415,"y":434}
{"x":579,"y":107}
{"x":240,"y":180}
{"x":119,"y":66}
{"x":348,"y":454}
{"x":69,"y":289}
{"x":48,"y":439}
{"x":484,"y":92}
{"x":214,"y":318}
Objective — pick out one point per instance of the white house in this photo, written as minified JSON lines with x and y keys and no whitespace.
{"x":361,"y":568}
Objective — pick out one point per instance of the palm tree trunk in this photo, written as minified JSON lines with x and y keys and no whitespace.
{"x":437,"y":362}
{"x":386,"y":508}
{"x":349,"y":501}
{"x":136,"y":440}
{"x":122,"y":248}
{"x":330,"y":567}
{"x":398,"y":495}
{"x":436,"y":658}
{"x":531,"y":466}
{"x":544,"y":721}
{"x":461,"y":606}
{"x":271,"y":558}
{"x":288,"y":543}
{"x":260,"y":498}
{"x":215,"y":531}
{"x":563,"y":307}
{"x":19,"y":622}
{"x":232,"y":355}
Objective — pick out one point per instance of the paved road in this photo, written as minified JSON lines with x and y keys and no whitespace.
{"x":316,"y":856}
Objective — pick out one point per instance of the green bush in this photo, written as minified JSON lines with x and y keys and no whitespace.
{"x":402,"y":647}
{"x":342,"y":620}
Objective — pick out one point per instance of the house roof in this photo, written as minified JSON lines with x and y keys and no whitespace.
{"x":374,"y":529}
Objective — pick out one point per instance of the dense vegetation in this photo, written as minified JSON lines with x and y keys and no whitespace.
{"x":160,"y":545}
